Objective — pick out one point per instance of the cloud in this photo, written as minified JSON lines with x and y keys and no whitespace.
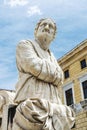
{"x":70,"y":17}
{"x":14,"y":3}
{"x":34,"y":10}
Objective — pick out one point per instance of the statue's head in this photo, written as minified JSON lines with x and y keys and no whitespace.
{"x":45,"y":28}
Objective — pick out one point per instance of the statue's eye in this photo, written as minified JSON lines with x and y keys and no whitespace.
{"x":51,"y":26}
{"x":43,"y":24}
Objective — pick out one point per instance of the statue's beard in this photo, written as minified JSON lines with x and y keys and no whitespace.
{"x":44,"y":40}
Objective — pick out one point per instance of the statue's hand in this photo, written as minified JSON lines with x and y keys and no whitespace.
{"x":58,"y":77}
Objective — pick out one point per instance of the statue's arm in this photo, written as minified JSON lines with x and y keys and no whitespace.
{"x":29,"y":62}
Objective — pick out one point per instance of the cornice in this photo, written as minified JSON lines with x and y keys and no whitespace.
{"x":74,"y":51}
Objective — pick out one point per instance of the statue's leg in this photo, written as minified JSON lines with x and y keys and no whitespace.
{"x":63,"y":117}
{"x":39,"y":114}
{"x":30,"y":115}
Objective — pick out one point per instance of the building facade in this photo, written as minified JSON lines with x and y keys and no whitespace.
{"x":74,"y":88}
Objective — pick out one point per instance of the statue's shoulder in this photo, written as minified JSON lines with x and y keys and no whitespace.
{"x":24,"y":43}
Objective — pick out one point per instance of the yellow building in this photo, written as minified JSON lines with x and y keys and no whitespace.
{"x":74,"y":65}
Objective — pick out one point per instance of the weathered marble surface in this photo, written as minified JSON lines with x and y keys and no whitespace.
{"x":38,"y":104}
{"x":6,"y":98}
{"x":39,"y":73}
{"x":40,"y":114}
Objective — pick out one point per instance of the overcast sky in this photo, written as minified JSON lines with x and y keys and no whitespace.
{"x":18,"y":19}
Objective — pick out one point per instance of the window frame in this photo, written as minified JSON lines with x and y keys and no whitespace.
{"x":67,"y":87}
{"x":69,"y":93}
{"x":83,"y":88}
{"x":82,"y":79}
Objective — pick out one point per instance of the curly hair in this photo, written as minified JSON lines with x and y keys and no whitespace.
{"x":41,"y":20}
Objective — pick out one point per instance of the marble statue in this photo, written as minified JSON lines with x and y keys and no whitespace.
{"x":39,"y":106}
{"x":6,"y":98}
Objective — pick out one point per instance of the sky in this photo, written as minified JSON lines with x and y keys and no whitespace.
{"x":18,"y":19}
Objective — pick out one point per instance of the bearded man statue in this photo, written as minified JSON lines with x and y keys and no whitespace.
{"x":39,"y":106}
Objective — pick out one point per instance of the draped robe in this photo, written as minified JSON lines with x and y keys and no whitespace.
{"x":37,"y":96}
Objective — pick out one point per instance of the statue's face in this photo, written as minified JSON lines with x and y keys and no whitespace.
{"x":46,"y":30}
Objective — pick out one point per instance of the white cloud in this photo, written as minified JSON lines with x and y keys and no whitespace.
{"x":34,"y":10}
{"x":13,"y":3}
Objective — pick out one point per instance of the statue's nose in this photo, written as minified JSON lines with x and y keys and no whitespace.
{"x":47,"y":27}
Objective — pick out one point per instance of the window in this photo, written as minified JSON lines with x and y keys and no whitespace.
{"x":68,"y":91}
{"x":66,"y":74}
{"x":69,"y":96}
{"x":83,"y":63}
{"x":84,"y":85}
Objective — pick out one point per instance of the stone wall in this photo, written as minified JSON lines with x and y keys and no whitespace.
{"x":81,"y":121}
